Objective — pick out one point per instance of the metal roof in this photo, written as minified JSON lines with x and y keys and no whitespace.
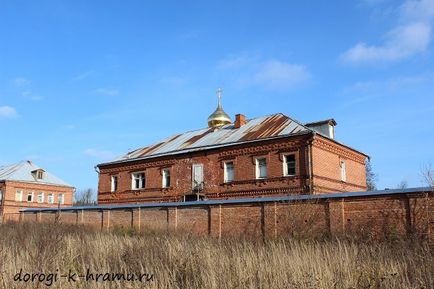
{"x":23,"y":172}
{"x":240,"y":201}
{"x":331,"y":121}
{"x":261,"y":128}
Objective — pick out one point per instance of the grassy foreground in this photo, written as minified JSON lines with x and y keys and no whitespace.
{"x":35,"y":251}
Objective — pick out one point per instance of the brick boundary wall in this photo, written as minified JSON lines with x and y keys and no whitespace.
{"x":376,"y":214}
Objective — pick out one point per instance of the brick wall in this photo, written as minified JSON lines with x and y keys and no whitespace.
{"x":327,"y":157}
{"x":375,"y":215}
{"x":325,"y":154}
{"x":11,"y":207}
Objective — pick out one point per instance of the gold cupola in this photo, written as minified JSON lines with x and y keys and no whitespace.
{"x":219,"y":117}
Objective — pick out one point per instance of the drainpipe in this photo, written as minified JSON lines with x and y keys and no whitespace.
{"x":309,"y":156}
{"x":2,"y":193}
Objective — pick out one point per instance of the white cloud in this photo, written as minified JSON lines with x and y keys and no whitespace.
{"x":7,"y":112}
{"x":36,"y":97}
{"x":100,"y":154}
{"x":237,"y":61}
{"x":270,"y":74}
{"x":69,"y":126}
{"x":83,"y":75}
{"x":24,"y":85}
{"x":411,"y":37}
{"x":373,"y":2}
{"x":402,"y":42}
{"x":422,"y":10}
{"x":31,"y":95}
{"x":21,"y":82}
{"x":105,"y":91}
{"x":279,"y":75}
{"x":389,"y":85}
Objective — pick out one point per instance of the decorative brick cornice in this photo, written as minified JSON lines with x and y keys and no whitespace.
{"x":256,"y":193}
{"x":235,"y":194}
{"x":139,"y":166}
{"x":339,"y":182}
{"x":283,"y":179}
{"x":282,"y":146}
{"x":339,"y":150}
{"x":136,"y":192}
{"x":326,"y":189}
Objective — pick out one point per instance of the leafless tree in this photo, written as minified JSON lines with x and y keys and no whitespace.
{"x":402,"y":185}
{"x":84,"y":198}
{"x":427,"y":175}
{"x":371,"y":177}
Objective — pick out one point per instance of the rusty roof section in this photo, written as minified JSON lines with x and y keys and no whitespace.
{"x":276,"y":125}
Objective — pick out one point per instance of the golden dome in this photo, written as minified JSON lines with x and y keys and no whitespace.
{"x":218,"y":117}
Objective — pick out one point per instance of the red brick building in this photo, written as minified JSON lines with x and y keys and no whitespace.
{"x":272,"y":155}
{"x":26,"y":185}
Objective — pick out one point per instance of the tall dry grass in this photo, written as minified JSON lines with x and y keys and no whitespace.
{"x":182,"y":261}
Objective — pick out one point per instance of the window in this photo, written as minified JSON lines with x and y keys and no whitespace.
{"x":61,"y":198}
{"x":114,"y":183}
{"x":166,"y":178}
{"x":138,"y":181}
{"x":50,"y":198}
{"x":19,"y":196}
{"x":39,"y":175}
{"x":228,"y":172}
{"x":41,"y":197}
{"x":30,"y":197}
{"x":289,"y":165}
{"x":261,"y":168}
{"x":343,"y":171}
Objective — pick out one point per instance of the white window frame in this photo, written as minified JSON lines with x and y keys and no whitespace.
{"x":32,"y":194}
{"x":133,"y":181}
{"x":114,"y":187}
{"x":197,"y":183}
{"x":285,"y":165}
{"x":225,"y":172}
{"x":258,"y":171}
{"x":41,"y":197}
{"x":61,"y":198}
{"x":165,"y":173}
{"x":50,"y":198}
{"x":343,"y":171}
{"x":39,"y":175}
{"x":20,"y":194}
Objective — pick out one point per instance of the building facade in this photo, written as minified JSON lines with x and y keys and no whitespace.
{"x":273,"y":155}
{"x":26,"y":185}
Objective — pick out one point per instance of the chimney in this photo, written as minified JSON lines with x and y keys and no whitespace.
{"x":240,"y":120}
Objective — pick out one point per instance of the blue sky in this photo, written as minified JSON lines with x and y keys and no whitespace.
{"x":84,"y":81}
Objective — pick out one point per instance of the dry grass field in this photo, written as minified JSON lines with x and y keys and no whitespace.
{"x":55,"y":256}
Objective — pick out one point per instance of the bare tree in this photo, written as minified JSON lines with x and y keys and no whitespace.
{"x":84,"y":198}
{"x":427,"y":175}
{"x":371,"y":177}
{"x":402,"y":185}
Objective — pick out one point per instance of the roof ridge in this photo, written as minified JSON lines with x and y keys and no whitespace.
{"x":22,"y":171}
{"x":205,"y":128}
{"x":259,"y":127}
